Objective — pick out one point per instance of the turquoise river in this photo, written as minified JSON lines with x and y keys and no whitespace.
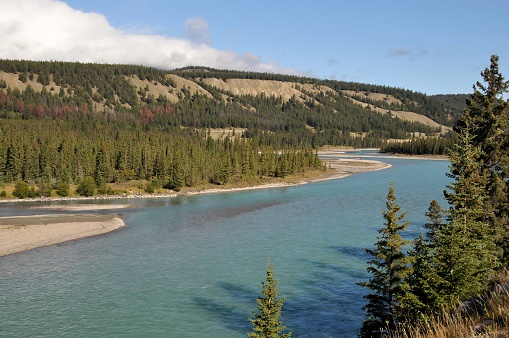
{"x":192,"y":266}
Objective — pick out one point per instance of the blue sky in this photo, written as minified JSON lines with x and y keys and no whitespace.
{"x":434,"y":47}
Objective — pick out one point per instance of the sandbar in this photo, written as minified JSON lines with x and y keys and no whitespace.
{"x":81,"y":207}
{"x":23,"y":233}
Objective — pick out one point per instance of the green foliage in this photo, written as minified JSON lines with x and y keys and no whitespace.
{"x":460,"y":256}
{"x":435,"y":214}
{"x":176,"y":178}
{"x":420,"y":146}
{"x":389,"y":268}
{"x":150,"y":188}
{"x":334,"y":119}
{"x":21,"y":190}
{"x":87,"y":187}
{"x":266,"y":322}
{"x":422,"y":299}
{"x":54,"y":151}
{"x":63,"y":186}
{"x":22,"y":77}
{"x":45,"y":188}
{"x":486,"y":119}
{"x":104,"y":189}
{"x":466,"y":250}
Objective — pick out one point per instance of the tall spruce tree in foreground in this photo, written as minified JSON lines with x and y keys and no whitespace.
{"x":460,"y":255}
{"x":488,"y":124}
{"x":466,"y":251}
{"x":266,"y":322}
{"x":390,"y":268}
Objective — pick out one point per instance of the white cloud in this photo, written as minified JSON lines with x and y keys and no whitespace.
{"x":51,"y":30}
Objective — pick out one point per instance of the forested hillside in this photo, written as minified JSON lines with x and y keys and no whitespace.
{"x":61,"y":120}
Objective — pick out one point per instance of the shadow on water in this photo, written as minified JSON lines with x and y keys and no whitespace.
{"x":327,"y":304}
{"x":234,"y":317}
{"x":353,"y":253}
{"x":231,"y":212}
{"x":323,"y":302}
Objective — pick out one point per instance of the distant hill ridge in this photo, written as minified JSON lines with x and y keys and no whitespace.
{"x":131,"y":92}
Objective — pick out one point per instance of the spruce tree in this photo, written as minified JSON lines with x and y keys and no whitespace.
{"x":176,"y":177}
{"x":466,"y":251}
{"x":421,"y":300}
{"x":459,"y":256}
{"x":266,"y":323}
{"x":87,"y":187}
{"x":487,"y":122}
{"x":389,"y":268}
{"x":435,"y":214}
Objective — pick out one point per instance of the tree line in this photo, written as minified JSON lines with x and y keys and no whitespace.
{"x":48,"y":152}
{"x":421,"y":146}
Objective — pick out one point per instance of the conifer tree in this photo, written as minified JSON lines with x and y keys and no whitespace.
{"x":176,"y":177}
{"x":87,"y":187}
{"x":466,"y":251}
{"x":460,"y":255}
{"x":266,"y":323}
{"x":389,"y":268}
{"x":435,"y":214}
{"x":487,"y":122}
{"x":63,"y":186}
{"x":421,"y":300}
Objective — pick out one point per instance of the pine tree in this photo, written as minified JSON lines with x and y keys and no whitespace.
{"x":266,"y":323}
{"x":176,"y":177}
{"x":435,"y":214}
{"x":460,"y":255}
{"x":390,"y":268}
{"x":466,"y":251}
{"x":421,"y":300}
{"x":487,"y":122}
{"x":87,"y":187}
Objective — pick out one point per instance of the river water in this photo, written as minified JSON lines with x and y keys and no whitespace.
{"x":192,"y":266}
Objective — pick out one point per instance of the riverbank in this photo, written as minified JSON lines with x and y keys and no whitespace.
{"x":337,"y":168}
{"x":23,"y":233}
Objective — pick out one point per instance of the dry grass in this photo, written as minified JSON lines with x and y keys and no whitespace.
{"x":221,"y":133}
{"x":486,"y":316}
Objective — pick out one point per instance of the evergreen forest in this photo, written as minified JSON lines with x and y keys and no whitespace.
{"x":63,"y":122}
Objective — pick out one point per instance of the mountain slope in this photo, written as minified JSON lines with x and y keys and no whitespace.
{"x":320,"y":111}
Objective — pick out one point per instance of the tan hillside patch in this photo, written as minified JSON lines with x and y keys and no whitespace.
{"x":156,"y":88}
{"x":12,"y":80}
{"x":404,"y":115}
{"x":373,"y":96}
{"x":317,"y":88}
{"x":153,"y":89}
{"x":285,"y":90}
{"x":220,"y":133}
{"x":193,"y":87}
